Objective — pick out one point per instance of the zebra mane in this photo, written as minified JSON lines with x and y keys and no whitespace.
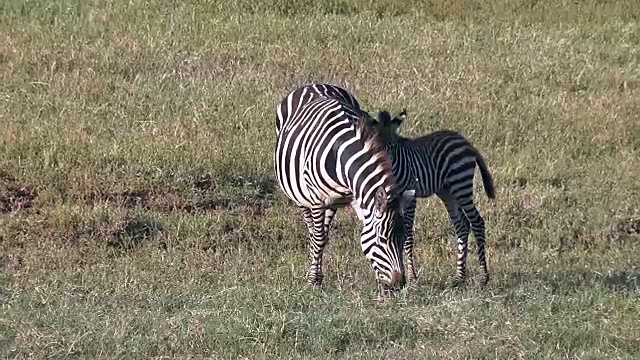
{"x":372,"y":138}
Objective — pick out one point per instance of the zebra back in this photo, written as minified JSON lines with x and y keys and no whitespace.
{"x":448,"y":147}
{"x":296,"y":99}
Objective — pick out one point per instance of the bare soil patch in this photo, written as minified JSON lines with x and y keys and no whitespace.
{"x":15,"y":196}
{"x":125,"y":233}
{"x":250,"y":194}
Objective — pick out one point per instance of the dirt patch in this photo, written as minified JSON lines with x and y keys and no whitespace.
{"x":625,"y":228}
{"x":174,"y":201}
{"x":15,"y":197}
{"x":205,"y":183}
{"x":249,"y":207}
{"x":124,"y":233}
{"x":126,"y":198}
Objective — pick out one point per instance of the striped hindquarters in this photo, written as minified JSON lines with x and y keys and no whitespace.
{"x":296,"y":99}
{"x":453,"y":160}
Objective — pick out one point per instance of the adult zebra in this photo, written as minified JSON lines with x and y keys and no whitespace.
{"x":326,"y":158}
{"x":442,"y":163}
{"x":296,"y":99}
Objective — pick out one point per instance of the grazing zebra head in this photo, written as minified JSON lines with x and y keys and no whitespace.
{"x":386,"y":254}
{"x":382,"y":212}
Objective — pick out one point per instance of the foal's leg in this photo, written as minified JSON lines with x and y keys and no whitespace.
{"x":478,"y":227}
{"x":409,"y":218}
{"x":461,"y":226}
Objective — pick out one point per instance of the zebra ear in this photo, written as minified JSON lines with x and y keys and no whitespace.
{"x":380,"y":200}
{"x":384,"y":117}
{"x":400,"y":118}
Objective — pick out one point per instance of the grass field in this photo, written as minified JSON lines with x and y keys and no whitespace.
{"x":139,"y":217}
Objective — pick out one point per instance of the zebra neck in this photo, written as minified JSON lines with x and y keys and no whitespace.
{"x":366,"y":174}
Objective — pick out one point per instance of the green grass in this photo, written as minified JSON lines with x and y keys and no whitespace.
{"x":139,"y":217}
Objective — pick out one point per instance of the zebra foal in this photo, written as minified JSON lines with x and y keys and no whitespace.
{"x":326,"y":157}
{"x":442,"y":163}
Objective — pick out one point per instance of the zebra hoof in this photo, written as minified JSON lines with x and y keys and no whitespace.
{"x":484,"y":281}
{"x":458,"y":283}
{"x":315,"y":282}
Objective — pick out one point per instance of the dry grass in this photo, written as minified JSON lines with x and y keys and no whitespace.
{"x":139,"y":217}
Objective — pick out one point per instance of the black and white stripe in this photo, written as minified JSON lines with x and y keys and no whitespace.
{"x":441,"y":163}
{"x":326,"y":158}
{"x":299,"y":97}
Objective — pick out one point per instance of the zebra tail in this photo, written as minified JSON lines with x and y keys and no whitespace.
{"x":487,"y":179}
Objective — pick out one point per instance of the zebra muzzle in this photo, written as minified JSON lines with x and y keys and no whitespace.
{"x":397,"y":279}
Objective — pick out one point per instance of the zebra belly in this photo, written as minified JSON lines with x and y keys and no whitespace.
{"x":306,"y":194}
{"x":424,"y":193}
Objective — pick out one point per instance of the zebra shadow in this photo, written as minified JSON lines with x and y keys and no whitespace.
{"x":624,"y":280}
{"x":565,"y":282}
{"x":570,"y":281}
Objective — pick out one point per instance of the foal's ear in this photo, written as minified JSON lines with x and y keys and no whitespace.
{"x":384,"y":118}
{"x":397,"y":121}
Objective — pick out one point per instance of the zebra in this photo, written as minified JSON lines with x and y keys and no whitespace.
{"x":327,"y":157}
{"x":300,"y":96}
{"x":441,"y":163}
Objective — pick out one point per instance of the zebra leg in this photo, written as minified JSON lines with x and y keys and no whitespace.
{"x":308,"y":219}
{"x":461,"y":226}
{"x":315,"y":220}
{"x":328,"y":218}
{"x":409,"y":216}
{"x":478,"y":227}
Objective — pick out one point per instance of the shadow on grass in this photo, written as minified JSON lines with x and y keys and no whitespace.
{"x":127,"y":234}
{"x":560,"y":282}
{"x":623,"y":281}
{"x":121,"y":233}
{"x":568,"y":281}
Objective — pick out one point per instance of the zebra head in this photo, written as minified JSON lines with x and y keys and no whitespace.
{"x":386,"y":253}
{"x":387,"y":126}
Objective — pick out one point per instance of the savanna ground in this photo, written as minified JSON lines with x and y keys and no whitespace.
{"x":139,"y":216}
